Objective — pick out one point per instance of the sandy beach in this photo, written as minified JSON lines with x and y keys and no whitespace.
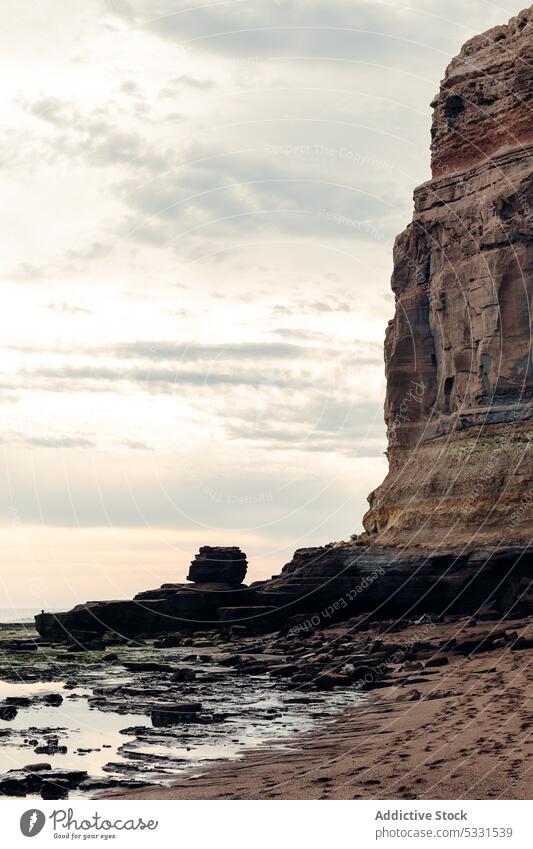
{"x":459,"y":731}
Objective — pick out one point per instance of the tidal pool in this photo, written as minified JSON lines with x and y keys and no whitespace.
{"x":146,"y":753}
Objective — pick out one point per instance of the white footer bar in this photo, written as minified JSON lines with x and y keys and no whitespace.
{"x":266,"y":825}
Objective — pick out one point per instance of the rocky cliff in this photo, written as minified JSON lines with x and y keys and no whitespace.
{"x":459,"y":400}
{"x":450,"y":528}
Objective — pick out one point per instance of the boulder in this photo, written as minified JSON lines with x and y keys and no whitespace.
{"x":38,"y":767}
{"x":146,"y":666}
{"x":31,"y":780}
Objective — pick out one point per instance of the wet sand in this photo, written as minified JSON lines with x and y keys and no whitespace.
{"x":467,"y":736}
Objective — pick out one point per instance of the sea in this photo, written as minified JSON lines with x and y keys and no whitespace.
{"x":10,"y":615}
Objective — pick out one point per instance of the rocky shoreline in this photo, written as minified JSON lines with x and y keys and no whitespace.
{"x":333,"y":581}
{"x":452,"y":724}
{"x":174,"y":704}
{"x":183,"y":695}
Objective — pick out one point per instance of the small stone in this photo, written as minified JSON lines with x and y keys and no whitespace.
{"x":173,"y":714}
{"x":8,"y":712}
{"x":17,"y":701}
{"x":438,"y":660}
{"x":410,"y":696}
{"x":331,"y":680}
{"x":38,"y":767}
{"x":57,"y":789}
{"x":184,"y":674}
{"x":53,"y":699}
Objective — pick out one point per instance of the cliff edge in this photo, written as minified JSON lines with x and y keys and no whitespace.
{"x":459,"y":402}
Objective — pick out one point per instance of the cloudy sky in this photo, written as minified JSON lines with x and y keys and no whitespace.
{"x":199,"y":205}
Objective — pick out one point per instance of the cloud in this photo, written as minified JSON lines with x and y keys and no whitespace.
{"x":160,"y":366}
{"x":96,"y":137}
{"x":68,"y":309}
{"x":277,"y":27}
{"x":26,"y":272}
{"x":137,"y":445}
{"x":52,"y":441}
{"x":130,"y":87}
{"x":166,"y":350}
{"x":322,"y":421}
{"x":302,"y":334}
{"x":94,"y":250}
{"x":104,"y":378}
{"x":217,"y":192}
{"x":306,"y":306}
{"x":172,"y":492}
{"x":54,"y":111}
{"x":367,"y":30}
{"x":186,"y":196}
{"x":192,"y":82}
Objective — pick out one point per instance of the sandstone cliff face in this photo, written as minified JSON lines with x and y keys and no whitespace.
{"x":483,"y":106}
{"x":459,"y":402}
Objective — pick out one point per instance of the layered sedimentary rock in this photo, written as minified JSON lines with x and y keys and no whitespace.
{"x":218,"y":563}
{"x":217,"y":573}
{"x":317,"y":586}
{"x":339,"y":580}
{"x":484,"y":103}
{"x":459,"y":402}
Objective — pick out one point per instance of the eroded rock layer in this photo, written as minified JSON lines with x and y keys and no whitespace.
{"x":459,"y":402}
{"x":225,"y":564}
{"x":484,"y":103}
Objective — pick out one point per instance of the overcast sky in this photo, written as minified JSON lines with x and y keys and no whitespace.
{"x":199,"y":206}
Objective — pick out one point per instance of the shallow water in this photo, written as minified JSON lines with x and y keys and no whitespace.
{"x":154,"y":754}
{"x":104,"y":723}
{"x":78,"y":727}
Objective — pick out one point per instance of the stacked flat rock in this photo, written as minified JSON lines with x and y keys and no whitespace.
{"x":218,"y":564}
